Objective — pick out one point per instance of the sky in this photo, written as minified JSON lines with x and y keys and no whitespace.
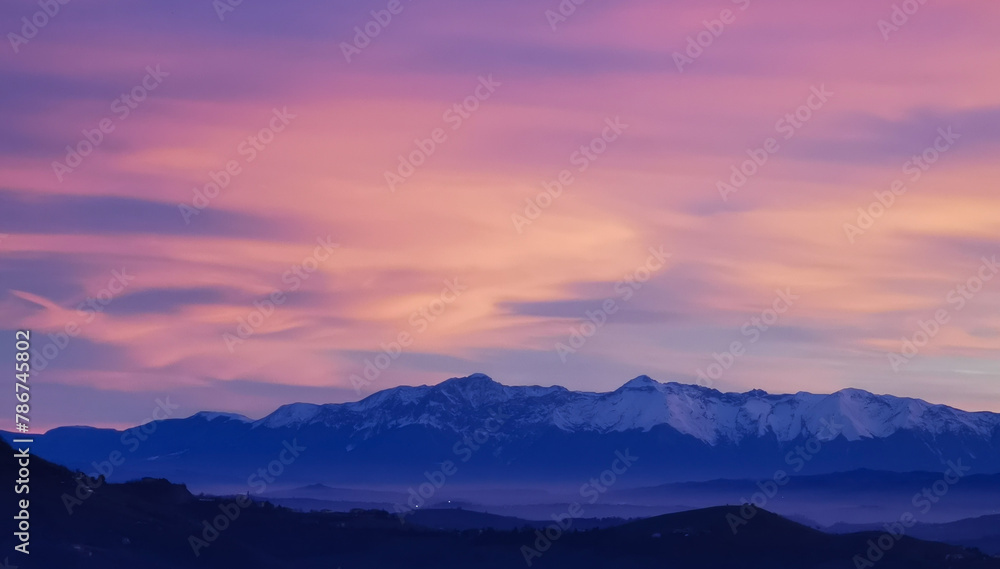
{"x":234,"y":207}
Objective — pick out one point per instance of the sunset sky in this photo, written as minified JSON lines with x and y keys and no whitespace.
{"x":662,"y":124}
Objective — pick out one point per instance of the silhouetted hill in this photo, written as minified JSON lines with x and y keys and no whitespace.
{"x":982,"y":532}
{"x":765,"y":540}
{"x":459,"y":519}
{"x":149,"y":524}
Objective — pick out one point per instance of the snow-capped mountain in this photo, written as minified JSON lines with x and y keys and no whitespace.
{"x":530,"y":433}
{"x":641,"y":404}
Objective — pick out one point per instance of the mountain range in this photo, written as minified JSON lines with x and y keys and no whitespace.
{"x":499,"y":434}
{"x":152,"y":523}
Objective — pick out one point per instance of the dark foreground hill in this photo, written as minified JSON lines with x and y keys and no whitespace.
{"x":153,"y":524}
{"x":982,"y":532}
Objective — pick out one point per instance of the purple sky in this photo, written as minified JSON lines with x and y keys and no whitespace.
{"x":483,"y":181}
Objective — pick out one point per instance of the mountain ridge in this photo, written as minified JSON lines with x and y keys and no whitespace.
{"x":787,"y":415}
{"x":538,"y":435}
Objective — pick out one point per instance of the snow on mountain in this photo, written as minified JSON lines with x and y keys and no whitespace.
{"x":552,"y":434}
{"x":292,"y":415}
{"x":211,"y":416}
{"x":641,"y":404}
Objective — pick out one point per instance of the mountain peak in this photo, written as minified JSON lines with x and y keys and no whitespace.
{"x":476,"y":378}
{"x":291,"y":414}
{"x":211,"y":416}
{"x":641,"y":382}
{"x":476,"y":382}
{"x":476,"y":389}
